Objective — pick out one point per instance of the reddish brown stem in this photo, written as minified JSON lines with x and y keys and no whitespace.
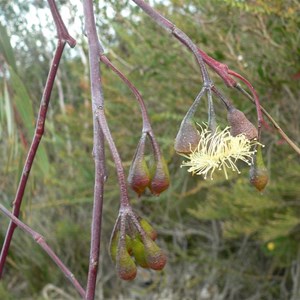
{"x":63,"y":37}
{"x":220,"y":68}
{"x":41,"y":241}
{"x":98,"y":150}
{"x":124,"y":199}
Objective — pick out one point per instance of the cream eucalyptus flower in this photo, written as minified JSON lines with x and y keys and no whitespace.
{"x":219,"y":150}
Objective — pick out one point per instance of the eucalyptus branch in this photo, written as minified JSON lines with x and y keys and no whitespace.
{"x":98,"y":150}
{"x":41,"y":242}
{"x":63,"y":37}
{"x":221,"y":69}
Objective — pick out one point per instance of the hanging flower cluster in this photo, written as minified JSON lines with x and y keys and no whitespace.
{"x":219,"y":150}
{"x":207,"y":148}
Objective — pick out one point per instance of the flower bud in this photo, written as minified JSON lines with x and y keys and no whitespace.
{"x":150,"y":231}
{"x":258,"y":172}
{"x":187,"y":138}
{"x":125,"y":265}
{"x":113,"y":247}
{"x":240,"y":124}
{"x":161,"y":179}
{"x":138,"y":251}
{"x":155,"y":257}
{"x":139,"y":177}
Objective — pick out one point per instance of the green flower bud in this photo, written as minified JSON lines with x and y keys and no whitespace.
{"x":113,"y":247}
{"x":125,"y":265}
{"x":139,"y":177}
{"x":160,"y":180}
{"x":155,"y":257}
{"x":150,"y":231}
{"x":129,"y":244}
{"x":138,"y":250}
{"x":258,"y":172}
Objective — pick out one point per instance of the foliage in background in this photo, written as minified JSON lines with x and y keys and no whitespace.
{"x":223,"y":237}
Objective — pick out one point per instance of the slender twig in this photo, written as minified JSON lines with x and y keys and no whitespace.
{"x":41,"y":241}
{"x":124,"y":198}
{"x":275,"y":124}
{"x":63,"y":37}
{"x":146,"y":122}
{"x":98,"y":150}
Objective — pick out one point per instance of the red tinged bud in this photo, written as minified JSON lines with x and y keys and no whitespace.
{"x":125,"y":265}
{"x":160,"y":180}
{"x":187,"y":138}
{"x":240,"y":124}
{"x":150,"y":231}
{"x":138,"y":250}
{"x":139,"y":177}
{"x":258,"y":172}
{"x":155,"y":257}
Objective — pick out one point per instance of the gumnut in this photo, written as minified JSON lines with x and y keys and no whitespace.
{"x":155,"y":257}
{"x":258,"y":172}
{"x":240,"y":124}
{"x":187,"y":138}
{"x":139,"y":176}
{"x":126,"y":267}
{"x":160,"y":179}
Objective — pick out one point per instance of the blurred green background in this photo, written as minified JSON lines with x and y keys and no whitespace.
{"x":224,"y":239}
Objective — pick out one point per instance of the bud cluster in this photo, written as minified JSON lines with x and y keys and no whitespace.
{"x":133,"y":244}
{"x":141,"y":176}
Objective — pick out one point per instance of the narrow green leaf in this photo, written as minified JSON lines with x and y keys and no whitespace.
{"x":8,"y":112}
{"x":23,"y":104}
{"x":6,"y":49}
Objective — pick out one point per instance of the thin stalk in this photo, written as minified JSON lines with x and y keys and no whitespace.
{"x":275,"y":124}
{"x":124,"y":198}
{"x":212,"y":124}
{"x":225,"y":100}
{"x":195,"y":105}
{"x":41,"y":241}
{"x":98,"y":150}
{"x":63,"y":37}
{"x":146,"y":122}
